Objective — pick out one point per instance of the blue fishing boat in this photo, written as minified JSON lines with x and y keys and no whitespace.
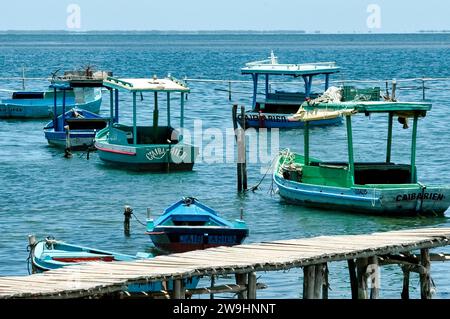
{"x":40,"y":104}
{"x":190,"y":225}
{"x":74,"y":129}
{"x":51,"y":254}
{"x":282,"y":109}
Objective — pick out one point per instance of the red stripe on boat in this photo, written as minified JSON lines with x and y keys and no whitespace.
{"x":115,"y":151}
{"x":155,"y":233}
{"x":83,"y":259}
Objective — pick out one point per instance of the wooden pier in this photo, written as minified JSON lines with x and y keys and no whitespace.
{"x":410,"y":249}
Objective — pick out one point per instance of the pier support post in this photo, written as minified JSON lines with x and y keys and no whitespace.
{"x":374,"y":273}
{"x":425,"y":279}
{"x":241,"y":280}
{"x":251,"y":289}
{"x":353,"y":279}
{"x":319,"y":280}
{"x":405,"y":290}
{"x":361,"y":273}
{"x":326,"y":285}
{"x":179,"y":292}
{"x":309,"y":273}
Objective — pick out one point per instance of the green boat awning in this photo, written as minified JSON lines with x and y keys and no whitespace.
{"x":373,"y":107}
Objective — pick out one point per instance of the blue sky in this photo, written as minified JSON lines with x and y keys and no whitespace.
{"x":322,"y":15}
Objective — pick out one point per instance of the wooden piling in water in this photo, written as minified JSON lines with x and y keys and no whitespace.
{"x":425,"y":278}
{"x":128,"y":211}
{"x":374,"y":277}
{"x":308,"y":281}
{"x":251,"y":286}
{"x":361,"y":274}
{"x":318,"y":281}
{"x":179,"y":291}
{"x":405,"y":290}
{"x":244,"y":150}
{"x":353,"y":278}
{"x":241,"y":280}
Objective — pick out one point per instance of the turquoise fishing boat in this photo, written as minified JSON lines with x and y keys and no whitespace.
{"x":49,"y":254}
{"x":282,"y":109}
{"x":155,"y":148}
{"x":190,"y":225}
{"x":378,"y":187}
{"x":84,"y":93}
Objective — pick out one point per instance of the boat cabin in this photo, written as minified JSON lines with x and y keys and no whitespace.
{"x":281,"y":101}
{"x":348,"y":174}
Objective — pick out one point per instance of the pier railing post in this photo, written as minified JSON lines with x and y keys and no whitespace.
{"x":425,"y":278}
{"x":241,"y":280}
{"x":251,"y":290}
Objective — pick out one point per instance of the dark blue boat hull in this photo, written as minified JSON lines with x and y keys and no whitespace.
{"x":183,"y":239}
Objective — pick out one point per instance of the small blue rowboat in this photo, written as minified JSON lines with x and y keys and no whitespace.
{"x":51,"y":254}
{"x":189,"y":225}
{"x":75,"y":129}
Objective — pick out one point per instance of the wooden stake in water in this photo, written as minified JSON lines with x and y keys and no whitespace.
{"x":128,"y":211}
{"x":67,"y":151}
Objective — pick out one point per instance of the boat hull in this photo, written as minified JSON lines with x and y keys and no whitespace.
{"x":274,"y":120}
{"x":397,"y":201}
{"x":78,"y":140}
{"x":148,"y":157}
{"x":44,"y":109}
{"x":44,"y":259}
{"x":183,"y":239}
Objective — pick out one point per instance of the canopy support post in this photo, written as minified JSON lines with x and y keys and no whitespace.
{"x":168,"y":109}
{"x":116,"y":119}
{"x":267,"y":85}
{"x":351,"y":163}
{"x":255,"y":88}
{"x":155,"y":112}
{"x":64,"y":108}
{"x":182,"y":116}
{"x":389,"y":138}
{"x":413,"y":148}
{"x":134,"y":120}
{"x":55,"y":110}
{"x":111,"y":107}
{"x":327,"y":81}
{"x":306,"y":142}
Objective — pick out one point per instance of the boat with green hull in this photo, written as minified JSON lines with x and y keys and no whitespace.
{"x":375,"y":187}
{"x":154,"y":148}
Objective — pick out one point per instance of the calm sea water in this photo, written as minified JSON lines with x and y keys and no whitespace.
{"x":81,"y":201}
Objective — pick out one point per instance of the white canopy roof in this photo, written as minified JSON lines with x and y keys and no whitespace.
{"x":147,"y":85}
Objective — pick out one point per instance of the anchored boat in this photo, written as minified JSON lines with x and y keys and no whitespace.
{"x":40,"y":104}
{"x":51,"y":254}
{"x":190,"y":225}
{"x":379,"y":188}
{"x":157,"y":148}
{"x":281,"y":109}
{"x":74,"y":129}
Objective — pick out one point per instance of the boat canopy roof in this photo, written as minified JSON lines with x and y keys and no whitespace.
{"x":374,"y":106}
{"x":271,"y":66}
{"x":154,"y":84}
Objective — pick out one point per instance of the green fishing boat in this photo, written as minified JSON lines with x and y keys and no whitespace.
{"x":155,"y":147}
{"x":378,"y":188}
